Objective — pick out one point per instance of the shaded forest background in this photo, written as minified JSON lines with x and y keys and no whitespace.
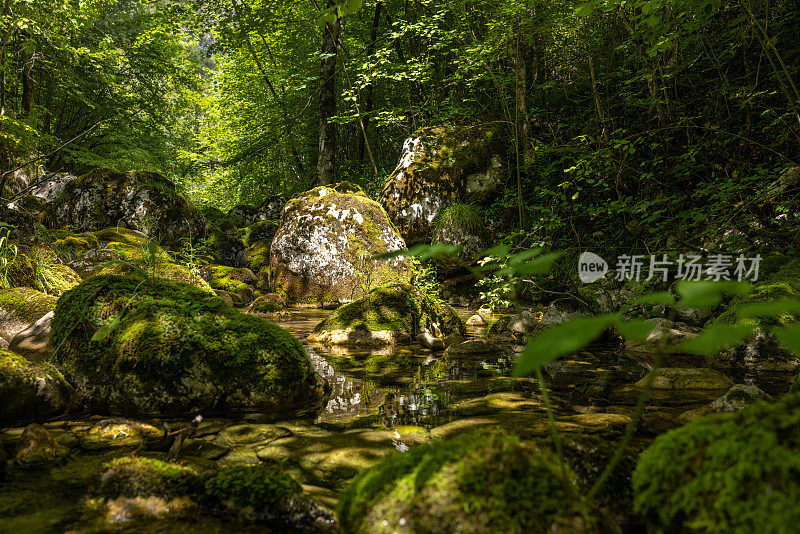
{"x":658,"y":124}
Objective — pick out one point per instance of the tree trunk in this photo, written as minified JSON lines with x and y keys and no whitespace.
{"x":368,"y":90}
{"x":326,"y":162}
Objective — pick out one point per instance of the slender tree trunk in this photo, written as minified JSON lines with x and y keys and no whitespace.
{"x":368,"y":90}
{"x":521,"y":86}
{"x":326,"y":162}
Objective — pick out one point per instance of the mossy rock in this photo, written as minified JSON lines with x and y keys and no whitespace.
{"x":266,"y":494}
{"x":269,"y":303}
{"x":142,"y":346}
{"x":40,"y":267}
{"x":461,"y":225}
{"x":145,"y":477}
{"x":38,"y":447}
{"x":119,"y":234}
{"x":736,"y":472}
{"x":484,"y":482}
{"x":138,"y":200}
{"x":225,"y":246}
{"x":395,"y":308}
{"x":259,"y":231}
{"x":168,"y":271}
{"x":325,"y":246}
{"x":237,"y":281}
{"x":761,"y":346}
{"x":441,"y":166}
{"x":20,"y":307}
{"x":32,"y":391}
{"x":73,"y":244}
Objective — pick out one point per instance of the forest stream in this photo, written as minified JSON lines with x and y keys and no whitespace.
{"x":380,"y":401}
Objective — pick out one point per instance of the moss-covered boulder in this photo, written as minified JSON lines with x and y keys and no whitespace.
{"x":438,"y":167}
{"x":239,"y":282}
{"x":41,"y":267}
{"x":21,"y":225}
{"x":20,"y":307}
{"x":388,"y":314}
{"x":149,"y":346}
{"x":485,"y":482}
{"x":147,"y":477}
{"x":32,"y":391}
{"x":269,"y":303}
{"x":761,"y":350}
{"x":139,"y":200}
{"x":323,"y":248}
{"x":736,"y":472}
{"x":461,"y":225}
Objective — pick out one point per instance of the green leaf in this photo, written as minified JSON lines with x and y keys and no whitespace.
{"x":708,"y":293}
{"x":789,"y":337}
{"x":762,"y":309}
{"x":108,"y":329}
{"x":715,"y":338}
{"x":635,"y":329}
{"x":540,"y":265}
{"x":585,"y":9}
{"x":559,"y":340}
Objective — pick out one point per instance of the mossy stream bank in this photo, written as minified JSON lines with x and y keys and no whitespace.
{"x":381,"y":402}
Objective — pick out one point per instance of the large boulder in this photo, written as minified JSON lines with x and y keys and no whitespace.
{"x":480,"y":482}
{"x":20,"y":307}
{"x":34,"y":341}
{"x":32,"y":391}
{"x":143,"y":201}
{"x":49,"y":186}
{"x":388,"y":314}
{"x":438,"y":167}
{"x":323,"y":247}
{"x":149,"y":346}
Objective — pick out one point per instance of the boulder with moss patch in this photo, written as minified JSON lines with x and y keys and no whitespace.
{"x":149,"y":346}
{"x":238,"y":282}
{"x":484,"y":482}
{"x":324,"y":247}
{"x":148,"y":477}
{"x":38,"y":447}
{"x":388,"y":314}
{"x":736,"y":472}
{"x":20,"y":307}
{"x":460,"y":225}
{"x":140,"y":200}
{"x":32,"y":391}
{"x":438,"y":167}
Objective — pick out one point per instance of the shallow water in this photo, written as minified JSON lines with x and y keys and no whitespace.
{"x":381,"y":401}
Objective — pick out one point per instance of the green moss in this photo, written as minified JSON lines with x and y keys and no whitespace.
{"x":395,"y":307}
{"x":258,"y":253}
{"x":484,"y":482}
{"x":168,"y":271}
{"x":262,"y":487}
{"x":170,"y":346}
{"x":137,"y":252}
{"x":467,"y":218}
{"x":259,"y":231}
{"x":146,"y":477}
{"x":15,"y":368}
{"x":781,"y":284}
{"x":735,"y":472}
{"x":73,"y":244}
{"x":271,"y":302}
{"x":119,"y":234}
{"x":349,"y":188}
{"x":25,"y":303}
